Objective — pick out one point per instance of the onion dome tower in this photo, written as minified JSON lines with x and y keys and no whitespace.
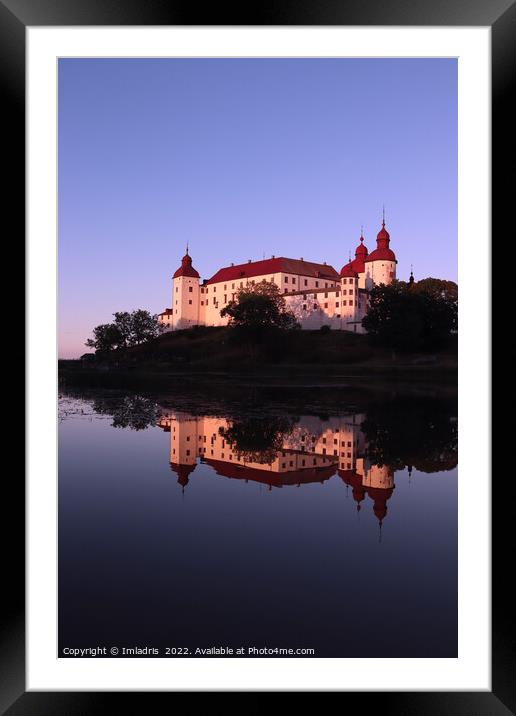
{"x":357,"y":265}
{"x":381,"y":262}
{"x":186,"y":268}
{"x":183,"y":472}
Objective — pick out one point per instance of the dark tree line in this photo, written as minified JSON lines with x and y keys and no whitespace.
{"x":412,"y":316}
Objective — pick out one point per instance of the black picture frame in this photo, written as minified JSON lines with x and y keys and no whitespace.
{"x":500,"y":15}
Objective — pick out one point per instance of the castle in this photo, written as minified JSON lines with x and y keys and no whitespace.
{"x":315,"y":293}
{"x":313,"y":452}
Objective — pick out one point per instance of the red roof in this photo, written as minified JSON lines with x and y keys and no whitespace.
{"x":348,"y":270}
{"x":380,"y":497}
{"x":186,"y":268}
{"x":182,"y":472}
{"x":277,"y":479}
{"x":275,"y":265}
{"x":381,"y":255}
{"x":357,"y":265}
{"x":382,"y":251}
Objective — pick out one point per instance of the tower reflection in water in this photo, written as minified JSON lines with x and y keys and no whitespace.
{"x":280,"y":453}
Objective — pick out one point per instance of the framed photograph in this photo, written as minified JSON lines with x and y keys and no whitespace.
{"x":259,"y":413}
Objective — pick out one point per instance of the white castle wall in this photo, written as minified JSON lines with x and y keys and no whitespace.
{"x":381,"y":272}
{"x":185,"y":302}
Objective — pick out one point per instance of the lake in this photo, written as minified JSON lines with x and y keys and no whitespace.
{"x":327,"y":526}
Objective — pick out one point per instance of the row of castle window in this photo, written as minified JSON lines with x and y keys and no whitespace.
{"x":331,"y":284}
{"x":325,"y":305}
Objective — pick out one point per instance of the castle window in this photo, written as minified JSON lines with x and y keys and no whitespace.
{"x":232,"y":285}
{"x":214,"y":289}
{"x":190,"y":302}
{"x":202,"y":303}
{"x":344,"y":303}
{"x":190,"y":289}
{"x":285,"y":290}
{"x":225,"y":298}
{"x":315,"y":306}
{"x":337,"y":315}
{"x":303,"y":463}
{"x":337,"y":294}
{"x":188,"y":452}
{"x":326,"y":295}
{"x":317,"y":284}
{"x":336,"y":303}
{"x":306,"y":282}
{"x":326,"y":305}
{"x":304,"y":307}
{"x":325,"y":284}
{"x":225,"y":287}
{"x":214,"y":300}
{"x":351,"y":303}
{"x":345,"y":280}
{"x":293,"y":279}
{"x":286,"y":279}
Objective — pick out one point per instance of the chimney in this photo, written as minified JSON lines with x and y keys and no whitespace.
{"x":232,"y":264}
{"x":302,"y":259}
{"x":273,"y":257}
{"x":249,"y":261}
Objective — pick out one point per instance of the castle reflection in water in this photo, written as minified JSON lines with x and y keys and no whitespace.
{"x":309,"y":451}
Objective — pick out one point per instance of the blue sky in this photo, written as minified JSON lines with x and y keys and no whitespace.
{"x":243,"y":158}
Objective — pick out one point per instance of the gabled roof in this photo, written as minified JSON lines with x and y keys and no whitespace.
{"x":280,"y":264}
{"x":276,"y":479}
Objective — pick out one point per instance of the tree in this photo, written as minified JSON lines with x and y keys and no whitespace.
{"x":258,"y":440}
{"x":421,"y":432}
{"x":410,"y":317}
{"x":128,"y":329}
{"x":259,"y":306}
{"x":438,"y":288}
{"x":107,"y":338}
{"x":144,"y":327}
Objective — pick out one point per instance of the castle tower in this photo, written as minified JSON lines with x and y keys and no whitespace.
{"x":379,"y":483}
{"x":381,"y":263}
{"x":185,"y":295}
{"x":183,"y":441}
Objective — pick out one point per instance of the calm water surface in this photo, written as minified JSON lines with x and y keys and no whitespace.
{"x":206,"y":528}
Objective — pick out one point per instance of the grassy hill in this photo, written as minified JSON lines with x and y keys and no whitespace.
{"x":205,"y":351}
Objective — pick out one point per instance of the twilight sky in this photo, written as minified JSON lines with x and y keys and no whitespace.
{"x":244,"y":158}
